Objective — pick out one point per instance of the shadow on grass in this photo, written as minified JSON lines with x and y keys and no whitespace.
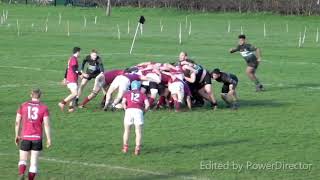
{"x":293,"y":86}
{"x":179,"y":148}
{"x":260,"y":103}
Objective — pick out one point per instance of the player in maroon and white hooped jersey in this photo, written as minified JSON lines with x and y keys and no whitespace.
{"x":176,"y":86}
{"x":31,"y":117}
{"x":102,"y":82}
{"x":71,"y":80}
{"x":135,"y":104}
{"x":151,"y":86}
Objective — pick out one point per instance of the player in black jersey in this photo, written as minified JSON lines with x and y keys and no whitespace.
{"x":252,"y":56}
{"x":94,"y":66}
{"x":228,"y":91}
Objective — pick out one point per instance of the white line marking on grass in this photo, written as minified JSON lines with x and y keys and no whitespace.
{"x":107,"y":166}
{"x":174,"y":57}
{"x":48,"y":83}
{"x":30,"y":68}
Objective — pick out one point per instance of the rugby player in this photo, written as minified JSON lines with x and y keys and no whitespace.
{"x":135,"y":104}
{"x":176,"y":88}
{"x":102,"y":82}
{"x":228,"y":91}
{"x":71,"y":80}
{"x":199,"y":81}
{"x":94,"y":68}
{"x":30,"y":119}
{"x":252,"y":56}
{"x":122,"y":83}
{"x":151,"y":86}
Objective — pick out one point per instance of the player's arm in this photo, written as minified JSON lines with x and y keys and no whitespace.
{"x":17,"y":128}
{"x":145,"y":78}
{"x":101,"y":67}
{"x":192,"y":77}
{"x":64,"y":81}
{"x":124,"y":103}
{"x":258,"y":54}
{"x":233,"y":50}
{"x":173,"y":77}
{"x":47,"y":130}
{"x":144,"y":64}
{"x":84,"y":62}
{"x":189,"y":104}
{"x":146,"y":105}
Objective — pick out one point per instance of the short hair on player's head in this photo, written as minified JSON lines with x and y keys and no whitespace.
{"x":185,"y":53}
{"x":216,"y":71}
{"x":191,"y":61}
{"x":36,"y":93}
{"x":76,"y":49}
{"x":242,"y":36}
{"x":94,"y":51}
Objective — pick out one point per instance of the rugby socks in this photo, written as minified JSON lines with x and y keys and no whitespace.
{"x":63,"y":102}
{"x":103,"y":100}
{"x":76,"y":101}
{"x":125,"y":148}
{"x":137,"y":150}
{"x":256,"y":82}
{"x":151,"y":101}
{"x":32,"y":172}
{"x":22,"y":167}
{"x":85,"y":101}
{"x":177,"y":105}
{"x":171,"y":103}
{"x":161,"y":101}
{"x":31,"y":175}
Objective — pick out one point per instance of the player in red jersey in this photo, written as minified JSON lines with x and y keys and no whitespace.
{"x":122,"y":83}
{"x":101,"y":82}
{"x":135,"y":104}
{"x":176,"y":88}
{"x":71,"y":80}
{"x":151,"y":86}
{"x":31,"y":117}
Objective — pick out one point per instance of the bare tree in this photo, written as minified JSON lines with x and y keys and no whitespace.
{"x":108,"y":11}
{"x":106,"y":4}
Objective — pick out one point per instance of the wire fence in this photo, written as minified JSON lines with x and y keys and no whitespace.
{"x":286,"y":7}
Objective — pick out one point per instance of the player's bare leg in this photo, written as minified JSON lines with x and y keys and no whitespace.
{"x":251,"y":73}
{"x":33,"y":164}
{"x":99,"y":83}
{"x":109,"y":93}
{"x":153,"y":96}
{"x":234,"y":99}
{"x":121,"y":91}
{"x":138,"y":130}
{"x":126,"y":135}
{"x":162,"y":99}
{"x":189,"y":103}
{"x":207,"y":94}
{"x":22,"y":165}
{"x":68,"y":99}
{"x":83,"y":83}
{"x":225,"y":99}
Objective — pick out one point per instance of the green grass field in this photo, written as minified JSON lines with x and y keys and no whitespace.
{"x":278,"y":125}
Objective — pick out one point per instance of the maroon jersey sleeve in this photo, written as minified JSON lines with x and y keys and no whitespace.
{"x":19,"y":110}
{"x":143,"y":97}
{"x":126,"y":96}
{"x":45,"y":112}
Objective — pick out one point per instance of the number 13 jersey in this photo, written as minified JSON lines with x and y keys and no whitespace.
{"x":32,"y":114}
